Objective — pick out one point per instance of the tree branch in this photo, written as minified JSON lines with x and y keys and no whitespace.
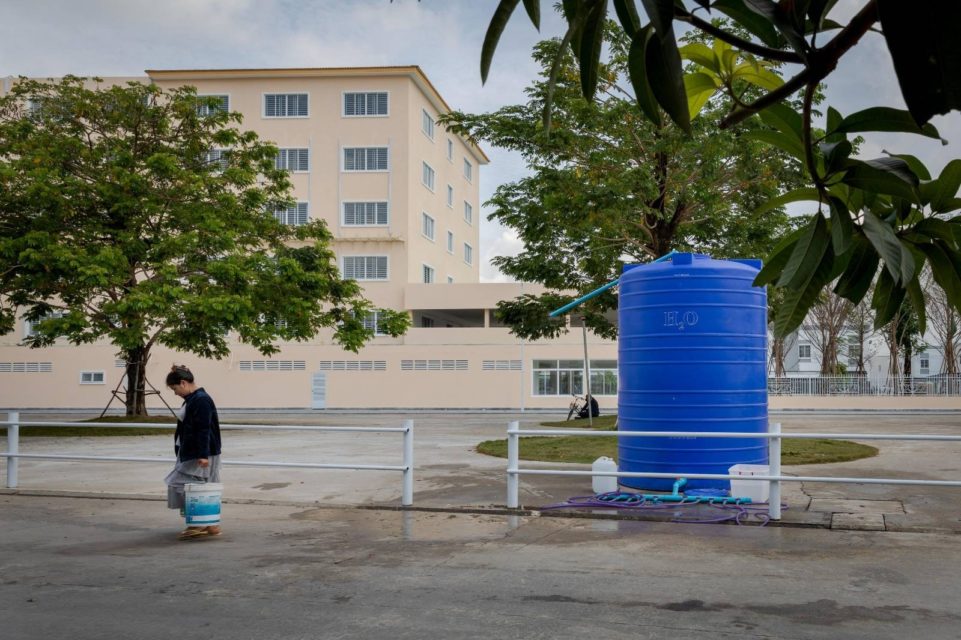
{"x":740,"y":43}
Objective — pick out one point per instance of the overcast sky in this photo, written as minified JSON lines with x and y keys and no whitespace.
{"x":125,"y":37}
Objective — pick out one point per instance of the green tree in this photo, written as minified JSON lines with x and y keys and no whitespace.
{"x":147,"y":217}
{"x":877,"y":221}
{"x":607,"y":186}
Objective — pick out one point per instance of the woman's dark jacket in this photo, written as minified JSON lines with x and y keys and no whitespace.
{"x":198,"y":434}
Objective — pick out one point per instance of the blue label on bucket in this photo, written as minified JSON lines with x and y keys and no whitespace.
{"x":203,"y":509}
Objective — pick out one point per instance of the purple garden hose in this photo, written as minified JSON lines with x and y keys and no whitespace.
{"x":736,"y":513}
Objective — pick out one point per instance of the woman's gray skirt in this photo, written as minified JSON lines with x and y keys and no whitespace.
{"x":186,"y":472}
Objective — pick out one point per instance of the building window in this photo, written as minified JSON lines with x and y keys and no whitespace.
{"x":468,"y":213}
{"x":427,"y":124}
{"x":372,"y":103}
{"x":365,"y":159}
{"x":468,"y":254}
{"x":427,"y":226}
{"x":450,"y":279}
{"x":91,"y":377}
{"x":210,"y":104}
{"x":566,"y":377}
{"x":428,"y":177}
{"x":216,"y":160}
{"x":450,"y":196}
{"x":450,"y":242}
{"x":294,"y":215}
{"x":468,"y":170}
{"x":285,"y":105}
{"x":30,"y":326}
{"x":426,"y":322}
{"x":365,"y":214}
{"x":293,"y":160}
{"x":450,"y":149}
{"x":924,"y":363}
{"x":372,"y":322}
{"x":428,"y":274}
{"x":804,"y":351}
{"x":854,"y":353}
{"x":365,"y":267}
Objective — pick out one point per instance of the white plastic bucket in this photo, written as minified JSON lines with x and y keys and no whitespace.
{"x":756,"y":490}
{"x":202,"y":503}
{"x":604,"y":484}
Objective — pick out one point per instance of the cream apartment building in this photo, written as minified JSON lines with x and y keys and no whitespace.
{"x":401,"y":197}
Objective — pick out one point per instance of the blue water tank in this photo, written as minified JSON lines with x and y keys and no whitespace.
{"x":692,"y":356}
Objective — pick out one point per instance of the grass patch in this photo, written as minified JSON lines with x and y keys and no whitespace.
{"x":97,"y":432}
{"x":587,"y":449}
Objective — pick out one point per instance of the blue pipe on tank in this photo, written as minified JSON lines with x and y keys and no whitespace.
{"x":674,"y":496}
{"x":599,"y":291}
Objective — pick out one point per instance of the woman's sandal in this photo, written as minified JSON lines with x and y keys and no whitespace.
{"x":191,"y":533}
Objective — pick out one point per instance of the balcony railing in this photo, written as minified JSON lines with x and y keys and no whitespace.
{"x":937,"y":385}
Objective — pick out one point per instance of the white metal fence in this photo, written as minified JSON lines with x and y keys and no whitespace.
{"x":774,"y":436}
{"x":13,"y":454}
{"x":939,"y":385}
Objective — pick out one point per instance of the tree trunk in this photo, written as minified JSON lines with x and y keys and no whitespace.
{"x":908,"y":353}
{"x":136,"y":399}
{"x":777,"y":356}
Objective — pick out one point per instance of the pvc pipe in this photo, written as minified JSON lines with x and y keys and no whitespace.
{"x":734,"y":434}
{"x":600,"y":290}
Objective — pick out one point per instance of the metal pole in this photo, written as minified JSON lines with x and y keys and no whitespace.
{"x":407,"y":499}
{"x":587,"y":376}
{"x":774,"y":458}
{"x":513,"y":454}
{"x":13,"y":447}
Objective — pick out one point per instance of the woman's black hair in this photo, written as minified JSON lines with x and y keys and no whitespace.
{"x":179,"y":373}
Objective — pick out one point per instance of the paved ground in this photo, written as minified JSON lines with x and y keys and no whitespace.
{"x":298,"y":561}
{"x":92,"y":569}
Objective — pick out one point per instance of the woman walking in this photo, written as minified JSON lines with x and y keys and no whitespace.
{"x":196,"y":443}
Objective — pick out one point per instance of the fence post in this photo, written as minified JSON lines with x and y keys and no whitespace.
{"x":513,"y":451}
{"x":407,"y":498}
{"x":13,"y":448}
{"x":774,"y":458}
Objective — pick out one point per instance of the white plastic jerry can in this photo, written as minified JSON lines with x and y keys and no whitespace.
{"x":604,"y":484}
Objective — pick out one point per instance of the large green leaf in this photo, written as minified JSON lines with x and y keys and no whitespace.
{"x":887,"y":299}
{"x":916,"y":166}
{"x":701,"y":54}
{"x":664,"y":64}
{"x":592,"y":38}
{"x":700,"y":87}
{"x":804,"y":194}
{"x":944,"y":271}
{"x":922,"y":37}
{"x":778,"y":259}
{"x":934,"y":228}
{"x":627,"y":15}
{"x":494,"y":30}
{"x":533,"y":8}
{"x":757,"y":74}
{"x":859,"y":274}
{"x":807,"y":254}
{"x":842,"y":227}
{"x":773,"y":12}
{"x":890,"y":176}
{"x":784,"y":119}
{"x":885,"y":119}
{"x":782,"y":141}
{"x":797,"y":302}
{"x":916,"y":296}
{"x":637,"y":65}
{"x":942,"y":192}
{"x":888,"y":246}
{"x":750,"y":20}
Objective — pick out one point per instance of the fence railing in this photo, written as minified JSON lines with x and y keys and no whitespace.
{"x":13,"y":454}
{"x":774,"y":436}
{"x":939,"y":385}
